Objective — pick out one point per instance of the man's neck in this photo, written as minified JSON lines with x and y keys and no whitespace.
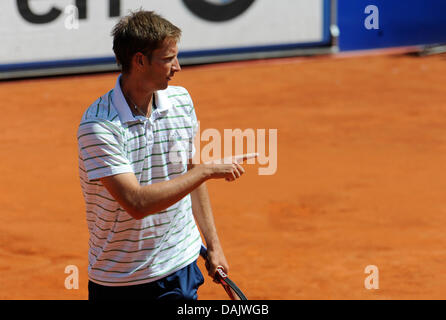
{"x":138,"y":99}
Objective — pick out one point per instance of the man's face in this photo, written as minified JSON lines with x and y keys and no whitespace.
{"x":162,"y":66}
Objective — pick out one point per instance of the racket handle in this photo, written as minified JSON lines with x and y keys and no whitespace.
{"x":204,"y":253}
{"x":221,"y":273}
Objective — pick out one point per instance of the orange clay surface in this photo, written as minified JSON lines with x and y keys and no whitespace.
{"x":361,"y":178}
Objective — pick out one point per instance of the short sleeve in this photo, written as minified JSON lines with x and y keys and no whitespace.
{"x":100,"y":149}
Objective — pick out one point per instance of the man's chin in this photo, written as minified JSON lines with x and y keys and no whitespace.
{"x":162,"y":86}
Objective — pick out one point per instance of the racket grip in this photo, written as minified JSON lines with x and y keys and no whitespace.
{"x":221,"y":273}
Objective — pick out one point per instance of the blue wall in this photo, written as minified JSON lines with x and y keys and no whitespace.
{"x":401,"y":23}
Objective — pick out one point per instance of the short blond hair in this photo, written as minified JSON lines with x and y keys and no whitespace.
{"x":140,"y":31}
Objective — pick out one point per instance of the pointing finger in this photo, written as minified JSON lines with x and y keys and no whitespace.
{"x":244,"y":157}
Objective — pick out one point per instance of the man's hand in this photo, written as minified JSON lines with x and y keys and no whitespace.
{"x":229,"y":172}
{"x":228,"y":168}
{"x":216,"y":258}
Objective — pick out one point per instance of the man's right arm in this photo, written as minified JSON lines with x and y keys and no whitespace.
{"x":141,"y":201}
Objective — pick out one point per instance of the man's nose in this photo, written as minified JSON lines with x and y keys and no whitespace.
{"x":176,"y":65}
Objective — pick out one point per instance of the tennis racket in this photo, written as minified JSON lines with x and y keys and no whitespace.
{"x":230,"y":287}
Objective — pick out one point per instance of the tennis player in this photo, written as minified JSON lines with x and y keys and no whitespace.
{"x":143,"y":196}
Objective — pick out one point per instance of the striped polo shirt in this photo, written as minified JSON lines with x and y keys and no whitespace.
{"x":123,"y":250}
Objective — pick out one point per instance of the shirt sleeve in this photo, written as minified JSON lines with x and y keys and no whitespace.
{"x":101,"y":150}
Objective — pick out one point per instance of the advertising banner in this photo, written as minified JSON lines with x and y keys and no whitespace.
{"x":39,"y":34}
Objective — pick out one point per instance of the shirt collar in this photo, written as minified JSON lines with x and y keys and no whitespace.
{"x":161,"y":100}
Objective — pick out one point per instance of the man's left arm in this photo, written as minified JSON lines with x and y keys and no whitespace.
{"x":202,"y":210}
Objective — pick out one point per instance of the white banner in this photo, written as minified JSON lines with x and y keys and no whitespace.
{"x":51,"y":30}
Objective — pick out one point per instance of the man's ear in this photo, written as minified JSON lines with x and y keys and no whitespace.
{"x":138,"y":60}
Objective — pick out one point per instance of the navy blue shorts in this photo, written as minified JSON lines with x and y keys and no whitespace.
{"x":181,"y":285}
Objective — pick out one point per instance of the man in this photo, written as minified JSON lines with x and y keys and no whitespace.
{"x":141,"y":190}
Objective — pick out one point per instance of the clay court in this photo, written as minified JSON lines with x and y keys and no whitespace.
{"x":361,"y":178}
